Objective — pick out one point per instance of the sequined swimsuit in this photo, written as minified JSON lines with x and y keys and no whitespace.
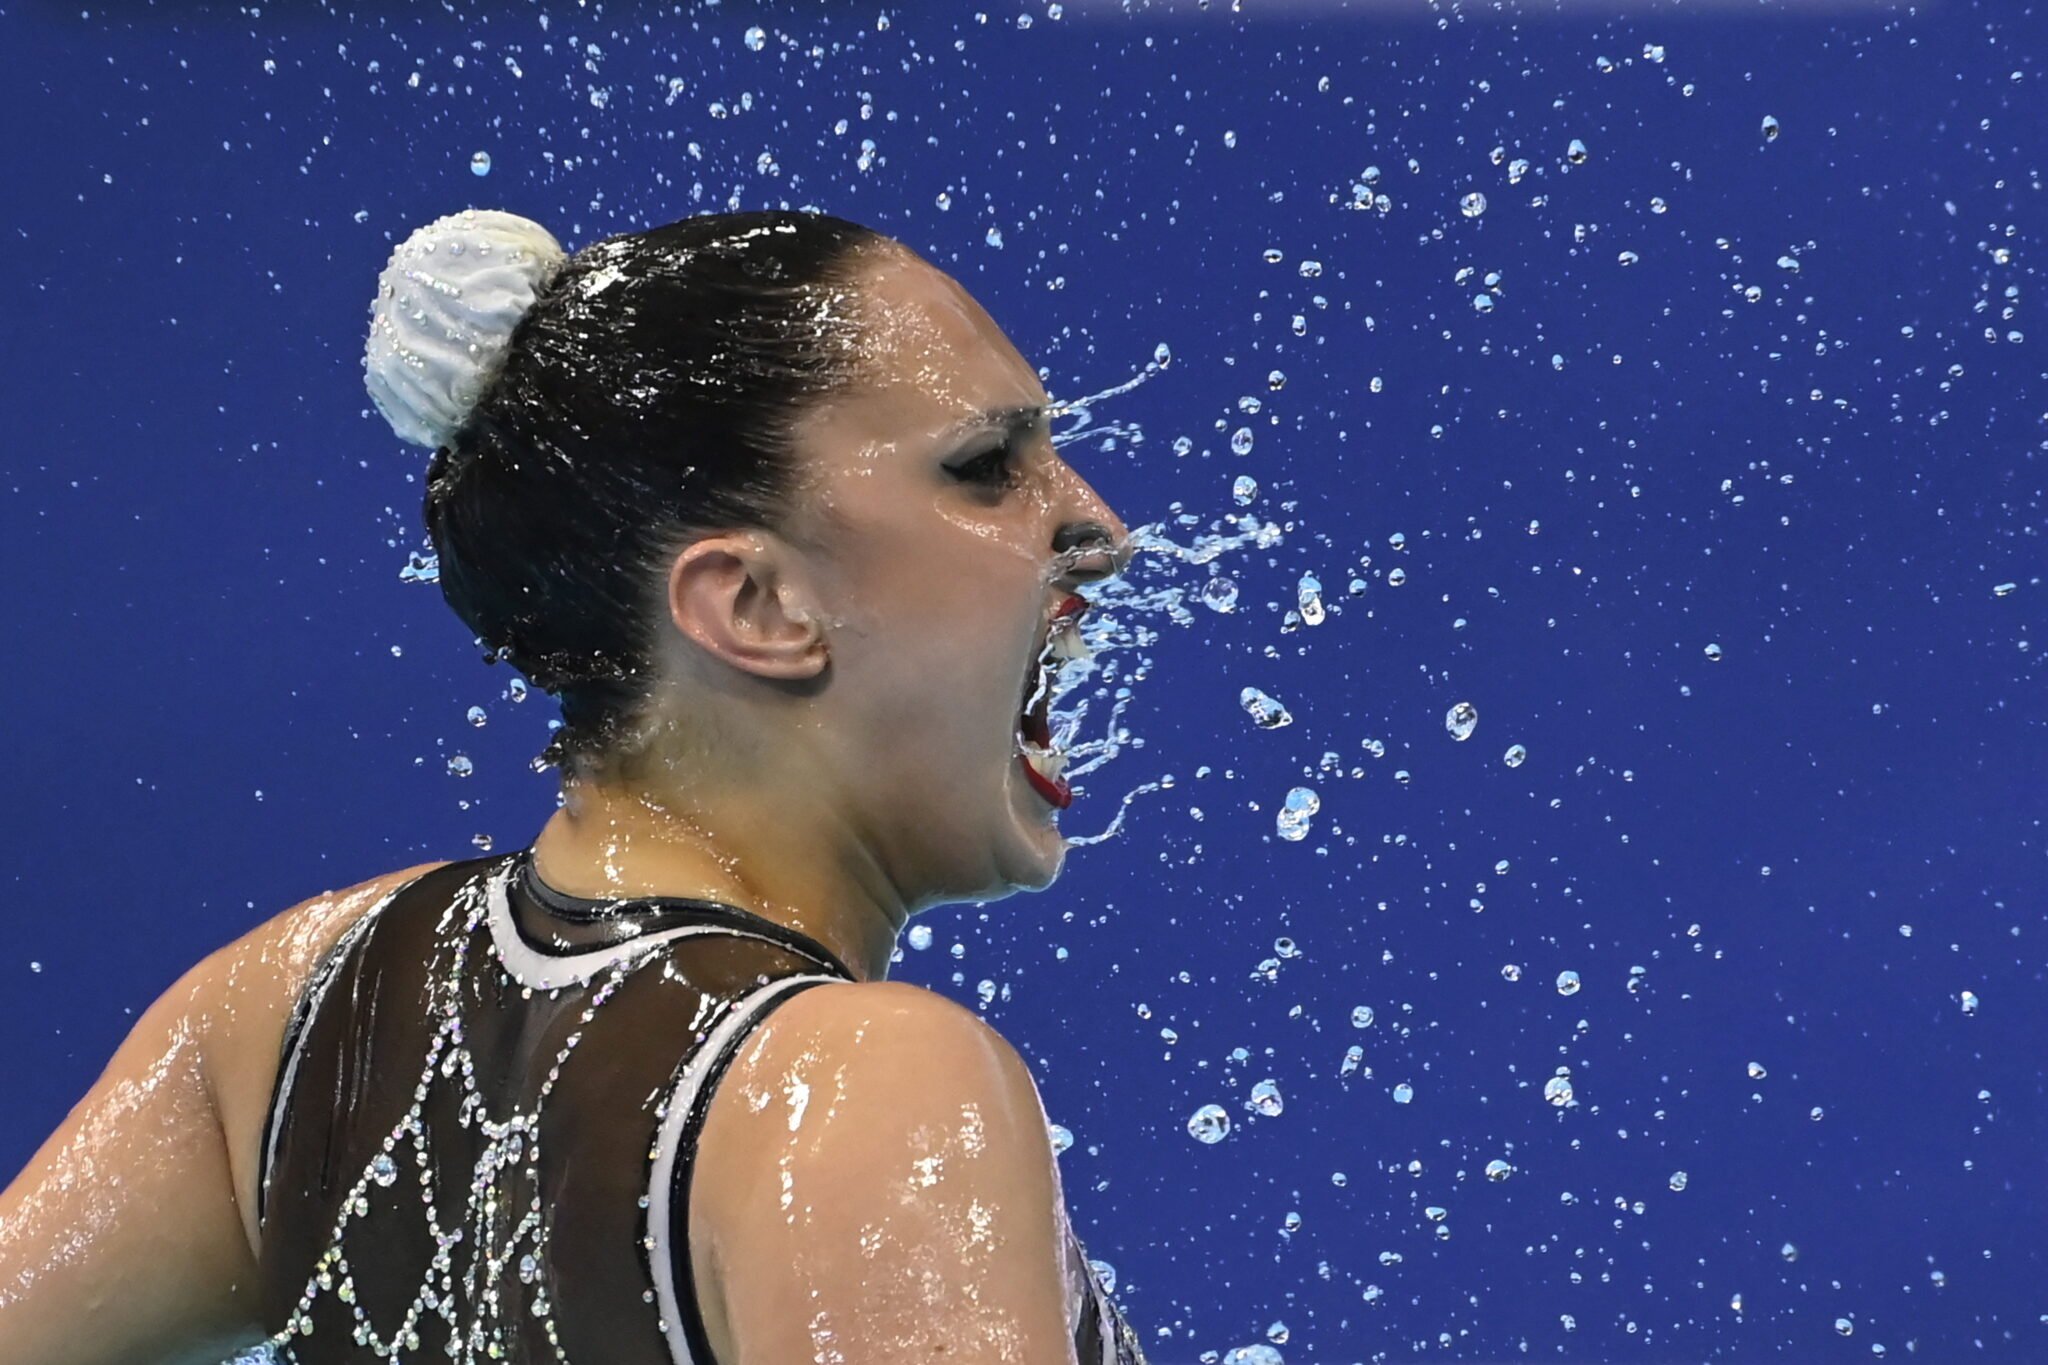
{"x":476,"y":1150}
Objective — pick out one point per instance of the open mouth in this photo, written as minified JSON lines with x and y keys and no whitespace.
{"x":1042,"y":760}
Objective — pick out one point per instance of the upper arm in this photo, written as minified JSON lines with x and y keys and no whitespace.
{"x":119,"y":1240}
{"x":878,"y":1156}
{"x":137,"y":1214}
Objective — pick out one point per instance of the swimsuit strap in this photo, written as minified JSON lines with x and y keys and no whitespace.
{"x":303,"y":1010}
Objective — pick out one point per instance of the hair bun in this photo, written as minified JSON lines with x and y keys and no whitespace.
{"x":445,"y":308}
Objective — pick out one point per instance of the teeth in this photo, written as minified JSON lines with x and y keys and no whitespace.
{"x":1047,"y":763}
{"x":1066,"y":643}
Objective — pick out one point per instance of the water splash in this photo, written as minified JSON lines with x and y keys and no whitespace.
{"x":1082,"y":409}
{"x":1159,"y":581}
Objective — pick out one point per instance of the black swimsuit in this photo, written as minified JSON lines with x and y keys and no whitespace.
{"x":467,"y":1101}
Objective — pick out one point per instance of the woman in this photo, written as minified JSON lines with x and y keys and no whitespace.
{"x":770,"y":505}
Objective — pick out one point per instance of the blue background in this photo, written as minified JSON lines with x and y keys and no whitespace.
{"x":222,"y":699}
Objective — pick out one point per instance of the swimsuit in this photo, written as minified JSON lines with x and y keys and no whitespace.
{"x":473,"y":1149}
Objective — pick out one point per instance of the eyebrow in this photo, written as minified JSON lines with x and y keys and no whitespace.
{"x":1014,"y":421}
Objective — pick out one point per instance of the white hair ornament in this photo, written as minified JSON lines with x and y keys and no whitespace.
{"x":443,"y":317}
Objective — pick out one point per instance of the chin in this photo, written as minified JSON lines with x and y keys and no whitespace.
{"x":1039,"y":878}
{"x":1033,"y":858}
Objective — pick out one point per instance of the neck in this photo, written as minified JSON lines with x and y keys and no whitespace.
{"x":784,"y":858}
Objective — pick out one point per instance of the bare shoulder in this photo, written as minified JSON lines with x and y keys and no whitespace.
{"x":241,"y":998}
{"x":891,"y":1031}
{"x":867,"y":1120}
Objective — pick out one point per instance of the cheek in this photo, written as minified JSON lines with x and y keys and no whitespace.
{"x":934,"y":620}
{"x":934,"y":680}
{"x":940,"y":686}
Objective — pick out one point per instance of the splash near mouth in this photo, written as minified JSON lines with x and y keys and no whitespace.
{"x":1043,"y":760}
{"x":1082,"y":691}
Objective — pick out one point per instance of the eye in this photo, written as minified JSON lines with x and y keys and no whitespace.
{"x":991,"y":469}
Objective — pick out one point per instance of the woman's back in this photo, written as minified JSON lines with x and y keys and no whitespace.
{"x":487,"y":1115}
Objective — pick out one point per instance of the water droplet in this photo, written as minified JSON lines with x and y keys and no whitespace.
{"x":1771,"y":128}
{"x":1403,"y":1093}
{"x":420,"y":568}
{"x":476,"y":716}
{"x":1266,"y":1098}
{"x":1514,"y":756}
{"x":1265,"y":712}
{"x":1244,"y":490}
{"x":1220,"y":594}
{"x":920,"y":936}
{"x":1757,"y":1072}
{"x":1558,"y":1090}
{"x":1300,"y":807}
{"x":1241,"y":441}
{"x":1309,"y":595}
{"x":1713,"y":652}
{"x":460,"y":766}
{"x":1497,"y":1169}
{"x":1461,"y":720}
{"x":994,"y":237}
{"x":1969,"y":1002}
{"x":1511,"y":972}
{"x":1472,"y":205}
{"x":1361,"y":1017}
{"x":1061,"y":1138}
{"x":480,"y":163}
{"x":757,"y":38}
{"x":1209,"y":1124}
{"x":1678,"y":1179}
{"x":1567,"y":983}
{"x":1576,"y":152}
{"x":1258,"y":1353}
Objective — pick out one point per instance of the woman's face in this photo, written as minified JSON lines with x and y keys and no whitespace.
{"x":945,"y":533}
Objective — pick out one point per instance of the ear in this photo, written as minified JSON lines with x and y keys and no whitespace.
{"x":734,"y":594}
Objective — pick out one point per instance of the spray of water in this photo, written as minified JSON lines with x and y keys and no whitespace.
{"x":1160,"y":582}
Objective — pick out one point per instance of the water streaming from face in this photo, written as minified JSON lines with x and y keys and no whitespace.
{"x":1124,"y":612}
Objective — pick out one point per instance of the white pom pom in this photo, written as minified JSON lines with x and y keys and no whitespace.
{"x":445,"y":308}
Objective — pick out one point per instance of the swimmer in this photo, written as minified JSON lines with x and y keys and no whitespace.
{"x":770,"y":506}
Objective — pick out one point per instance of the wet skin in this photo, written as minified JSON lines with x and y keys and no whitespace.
{"x":833,"y":748}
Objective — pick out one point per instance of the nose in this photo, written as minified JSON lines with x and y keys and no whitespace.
{"x":1090,"y":541}
{"x":1091,"y":550}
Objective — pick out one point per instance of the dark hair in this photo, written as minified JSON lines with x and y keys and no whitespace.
{"x":649,"y":393}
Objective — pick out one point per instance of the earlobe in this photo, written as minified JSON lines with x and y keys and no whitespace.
{"x":730,"y":596}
